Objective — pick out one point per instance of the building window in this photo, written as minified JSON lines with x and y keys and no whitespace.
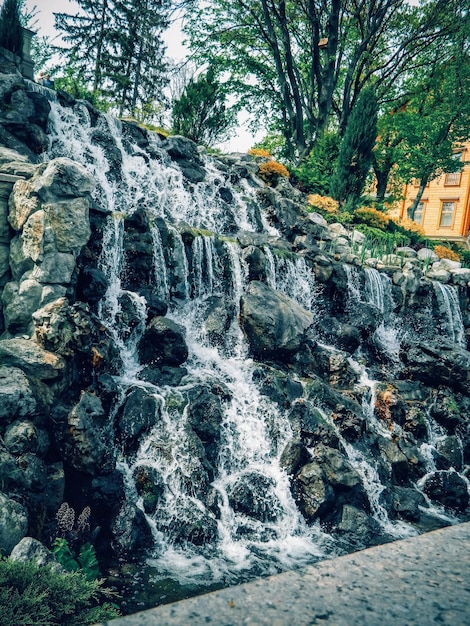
{"x":447,"y":213}
{"x":419,"y":213}
{"x":452,"y":179}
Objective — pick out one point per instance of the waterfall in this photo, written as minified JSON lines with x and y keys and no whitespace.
{"x":449,"y":314}
{"x":378,"y":291}
{"x":190,"y":488}
{"x":253,"y":430}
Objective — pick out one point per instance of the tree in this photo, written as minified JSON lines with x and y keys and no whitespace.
{"x":117,"y":49}
{"x":11,"y":33}
{"x":137,"y":68}
{"x":304,"y":62}
{"x":201,"y":112}
{"x":355,"y":153}
{"x":432,"y":125}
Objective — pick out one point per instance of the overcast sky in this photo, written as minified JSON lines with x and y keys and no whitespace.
{"x":173,"y":39}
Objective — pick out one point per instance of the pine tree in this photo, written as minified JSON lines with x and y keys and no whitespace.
{"x":86,"y":34}
{"x":201,"y":112}
{"x":355,"y":154}
{"x":11,"y":33}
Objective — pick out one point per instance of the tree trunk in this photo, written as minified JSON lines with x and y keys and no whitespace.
{"x":422,"y":186}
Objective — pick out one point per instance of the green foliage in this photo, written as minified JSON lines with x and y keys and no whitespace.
{"x":85,"y":561}
{"x":202,"y":113}
{"x":11,"y":34}
{"x":30,"y":595}
{"x":314,"y":173}
{"x":355,"y":153}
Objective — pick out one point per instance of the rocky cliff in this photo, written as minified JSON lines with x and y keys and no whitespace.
{"x":208,"y":366}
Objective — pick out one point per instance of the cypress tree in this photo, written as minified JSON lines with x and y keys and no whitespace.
{"x":11,"y":33}
{"x":355,"y":154}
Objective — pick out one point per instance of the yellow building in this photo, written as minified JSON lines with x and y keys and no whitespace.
{"x":444,"y":209}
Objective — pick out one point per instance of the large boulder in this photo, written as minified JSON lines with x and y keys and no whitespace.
{"x":438,"y":363}
{"x":13,"y":523}
{"x":16,"y":395}
{"x":131,"y":534}
{"x":86,"y":441}
{"x":31,"y":358}
{"x":253,"y":494}
{"x":448,"y":488}
{"x":274,"y":324}
{"x":163,"y":343}
{"x":140,"y":412}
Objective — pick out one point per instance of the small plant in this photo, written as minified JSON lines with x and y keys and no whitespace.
{"x":446,"y":253}
{"x":40,"y":595}
{"x":71,"y":551}
{"x":271,"y":171}
{"x":323,"y":203}
{"x":260,"y":152}
{"x":410,"y":226}
{"x":371,"y":217}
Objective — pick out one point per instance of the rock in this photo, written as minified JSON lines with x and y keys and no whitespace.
{"x":13,"y":523}
{"x":257,"y":263}
{"x":140,"y":412}
{"x":314,"y":495}
{"x":217,"y":318}
{"x":407,"y":503}
{"x":21,"y":437}
{"x":190,"y":524}
{"x":407,"y":252}
{"x":274,"y":324}
{"x":69,"y":224}
{"x":165,"y":375}
{"x":438,"y":363}
{"x":252,"y":494}
{"x":150,"y":486}
{"x":31,"y":358}
{"x":85,"y":441}
{"x":23,"y":203}
{"x":448,"y":488}
{"x":426,"y":254}
{"x":343,"y":336}
{"x":30,"y":550}
{"x":293,"y":457}
{"x":20,"y":302}
{"x":313,"y":426}
{"x":360,"y":529}
{"x":163,"y":343}
{"x":131,"y":534}
{"x":63,"y":178}
{"x":450,"y":450}
{"x":16,"y":395}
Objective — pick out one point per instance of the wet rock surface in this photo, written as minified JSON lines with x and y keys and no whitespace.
{"x":213,"y":366}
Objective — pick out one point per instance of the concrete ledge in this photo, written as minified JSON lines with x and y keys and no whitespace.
{"x":415,"y":582}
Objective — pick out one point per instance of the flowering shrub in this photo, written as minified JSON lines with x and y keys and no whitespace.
{"x":371,"y":217}
{"x":446,"y":253}
{"x":259,"y":152}
{"x":410,"y":225}
{"x":323,"y":203}
{"x":271,"y":171}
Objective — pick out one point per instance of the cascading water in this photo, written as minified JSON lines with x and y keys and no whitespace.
{"x":253,"y":430}
{"x":449,"y":319}
{"x":194,"y":490}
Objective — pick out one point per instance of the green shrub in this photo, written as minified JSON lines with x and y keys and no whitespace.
{"x":39,"y":596}
{"x":85,"y":561}
{"x":315,"y":171}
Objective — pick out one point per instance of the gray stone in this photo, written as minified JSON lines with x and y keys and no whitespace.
{"x":274,"y":324}
{"x":30,"y":550}
{"x":68,"y":220}
{"x":31,"y":358}
{"x":21,"y":437}
{"x":6,"y":154}
{"x":425,"y":254}
{"x":86,"y":441}
{"x":20,"y":304}
{"x":23,"y":203}
{"x":16,"y":396}
{"x":13,"y":523}
{"x":55,"y":268}
{"x":63,"y":178}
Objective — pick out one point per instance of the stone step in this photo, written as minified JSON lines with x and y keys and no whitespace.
{"x":413,"y":582}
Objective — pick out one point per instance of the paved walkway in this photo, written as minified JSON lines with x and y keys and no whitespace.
{"x":415,"y":582}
